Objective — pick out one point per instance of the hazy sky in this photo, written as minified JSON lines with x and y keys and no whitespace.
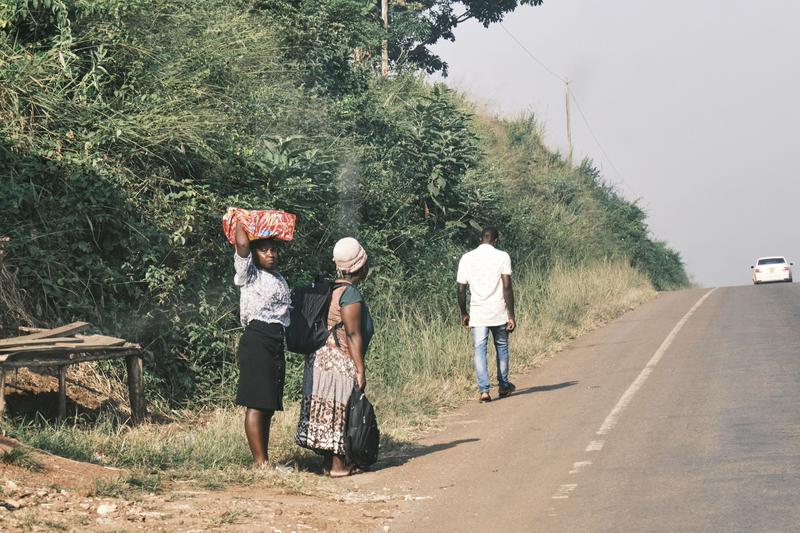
{"x":695,"y":103}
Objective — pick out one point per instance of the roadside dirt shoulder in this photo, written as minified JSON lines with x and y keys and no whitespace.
{"x":450,"y":480}
{"x":51,"y":493}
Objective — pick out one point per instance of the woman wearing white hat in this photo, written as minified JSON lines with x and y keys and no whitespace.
{"x":331,"y":372}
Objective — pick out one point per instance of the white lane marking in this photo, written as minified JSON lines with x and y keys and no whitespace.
{"x":576,"y":467}
{"x":613,"y":417}
{"x":595,"y":446}
{"x":564,"y":490}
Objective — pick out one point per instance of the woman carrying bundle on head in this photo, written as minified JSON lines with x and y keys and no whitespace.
{"x":331,"y":372}
{"x":264,"y":309}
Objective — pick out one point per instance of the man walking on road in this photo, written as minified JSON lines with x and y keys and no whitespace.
{"x":487,"y":271}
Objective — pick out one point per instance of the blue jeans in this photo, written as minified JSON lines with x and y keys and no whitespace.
{"x":480,"y":341}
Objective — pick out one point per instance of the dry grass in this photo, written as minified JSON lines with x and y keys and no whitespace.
{"x":430,"y":367}
{"x":422,"y":365}
{"x":21,"y":457}
{"x":577,"y":300}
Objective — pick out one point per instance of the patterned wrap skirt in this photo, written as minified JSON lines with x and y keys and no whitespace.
{"x":329,"y":376}
{"x":262,"y":366}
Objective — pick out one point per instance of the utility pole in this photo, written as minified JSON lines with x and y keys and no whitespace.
{"x":385,"y":44}
{"x":569,"y":122}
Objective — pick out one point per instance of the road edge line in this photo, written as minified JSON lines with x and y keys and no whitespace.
{"x":626,"y":398}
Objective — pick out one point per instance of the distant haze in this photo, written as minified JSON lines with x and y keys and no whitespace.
{"x":695,"y":103}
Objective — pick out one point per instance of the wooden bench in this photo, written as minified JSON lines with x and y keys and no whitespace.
{"x":63,"y":346}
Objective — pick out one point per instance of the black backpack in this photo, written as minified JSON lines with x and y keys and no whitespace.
{"x":308,"y":319}
{"x":362,"y":437}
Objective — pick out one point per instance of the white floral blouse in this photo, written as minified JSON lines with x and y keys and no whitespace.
{"x":264,"y":294}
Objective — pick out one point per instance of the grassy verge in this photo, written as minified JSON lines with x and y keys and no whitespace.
{"x":421,"y":365}
{"x":425,"y":362}
{"x":21,"y":457}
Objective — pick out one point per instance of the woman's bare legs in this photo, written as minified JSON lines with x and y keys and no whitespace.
{"x":327,"y":463}
{"x":256,"y":428}
{"x":339,"y":467}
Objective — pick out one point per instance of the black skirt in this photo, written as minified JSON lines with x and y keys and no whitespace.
{"x":262,"y":366}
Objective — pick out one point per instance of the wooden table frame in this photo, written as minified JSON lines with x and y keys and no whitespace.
{"x":134,"y":359}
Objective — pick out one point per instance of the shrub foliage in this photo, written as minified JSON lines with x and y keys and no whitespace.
{"x":128,"y":126}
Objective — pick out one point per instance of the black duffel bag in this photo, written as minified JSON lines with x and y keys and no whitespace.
{"x":362,"y":437}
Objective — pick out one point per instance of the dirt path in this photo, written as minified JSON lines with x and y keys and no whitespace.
{"x":58,"y":496}
{"x":503,"y":466}
{"x":37,"y":508}
{"x":492,"y":467}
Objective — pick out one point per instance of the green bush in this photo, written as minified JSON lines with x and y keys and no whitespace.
{"x":127,"y":128}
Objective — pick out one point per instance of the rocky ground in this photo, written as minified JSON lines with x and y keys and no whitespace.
{"x":51,"y":493}
{"x":44,"y":492}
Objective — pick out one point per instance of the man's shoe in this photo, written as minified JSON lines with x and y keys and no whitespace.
{"x":506,"y":391}
{"x":485,"y":398}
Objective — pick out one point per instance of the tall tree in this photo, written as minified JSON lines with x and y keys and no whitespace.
{"x":416,"y":25}
{"x":336,"y":31}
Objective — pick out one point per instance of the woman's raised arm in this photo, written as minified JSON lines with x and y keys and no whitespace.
{"x":242,"y":241}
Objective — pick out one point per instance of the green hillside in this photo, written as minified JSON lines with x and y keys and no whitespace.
{"x":127,"y":127}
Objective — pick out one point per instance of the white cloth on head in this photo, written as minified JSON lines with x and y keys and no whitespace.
{"x":349,"y":255}
{"x":482,"y":269}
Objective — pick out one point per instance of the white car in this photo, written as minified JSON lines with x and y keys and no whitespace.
{"x":774,"y":268}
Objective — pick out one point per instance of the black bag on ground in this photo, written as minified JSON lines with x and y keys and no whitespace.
{"x":362,"y":437}
{"x":308,"y":327}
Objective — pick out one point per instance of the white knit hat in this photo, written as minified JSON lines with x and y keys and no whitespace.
{"x":348,"y":255}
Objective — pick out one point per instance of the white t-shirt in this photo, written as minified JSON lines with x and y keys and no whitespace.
{"x":482,"y":269}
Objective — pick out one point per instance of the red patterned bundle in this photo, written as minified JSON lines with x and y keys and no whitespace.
{"x":259,"y":224}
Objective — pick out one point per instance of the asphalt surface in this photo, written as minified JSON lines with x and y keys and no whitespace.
{"x":660,"y":421}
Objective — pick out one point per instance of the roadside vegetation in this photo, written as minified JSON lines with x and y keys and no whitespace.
{"x":126,"y":129}
{"x":420,"y":367}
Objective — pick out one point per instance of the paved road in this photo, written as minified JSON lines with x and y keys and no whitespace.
{"x":676,"y":417}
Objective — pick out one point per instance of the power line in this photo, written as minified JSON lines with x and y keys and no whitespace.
{"x":596,"y":140}
{"x":566,"y":81}
{"x":539,"y":61}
